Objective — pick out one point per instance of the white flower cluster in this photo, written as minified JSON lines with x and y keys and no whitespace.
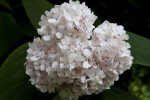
{"x":72,"y":57}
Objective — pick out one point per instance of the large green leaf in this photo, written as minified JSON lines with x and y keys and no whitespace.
{"x":5,"y":4}
{"x":14,"y":83}
{"x":9,"y":33}
{"x":35,"y":8}
{"x":117,"y":94}
{"x":140,"y":49}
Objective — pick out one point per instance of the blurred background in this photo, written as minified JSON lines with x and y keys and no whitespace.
{"x":134,"y":15}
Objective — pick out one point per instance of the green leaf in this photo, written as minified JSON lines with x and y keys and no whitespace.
{"x":27,"y":28}
{"x":5,"y":4}
{"x":9,"y":33}
{"x":97,"y":22}
{"x":35,"y":8}
{"x":140,"y":49}
{"x":14,"y":83}
{"x":117,"y":94}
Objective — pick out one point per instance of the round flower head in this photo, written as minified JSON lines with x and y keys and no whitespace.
{"x":67,"y":61}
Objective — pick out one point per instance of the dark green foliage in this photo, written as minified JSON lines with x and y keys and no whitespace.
{"x":9,"y":33}
{"x":117,"y":94}
{"x":35,"y":8}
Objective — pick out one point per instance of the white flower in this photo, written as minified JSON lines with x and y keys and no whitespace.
{"x":66,"y":61}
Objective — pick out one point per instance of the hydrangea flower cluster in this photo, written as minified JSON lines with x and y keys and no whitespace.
{"x":73,"y":57}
